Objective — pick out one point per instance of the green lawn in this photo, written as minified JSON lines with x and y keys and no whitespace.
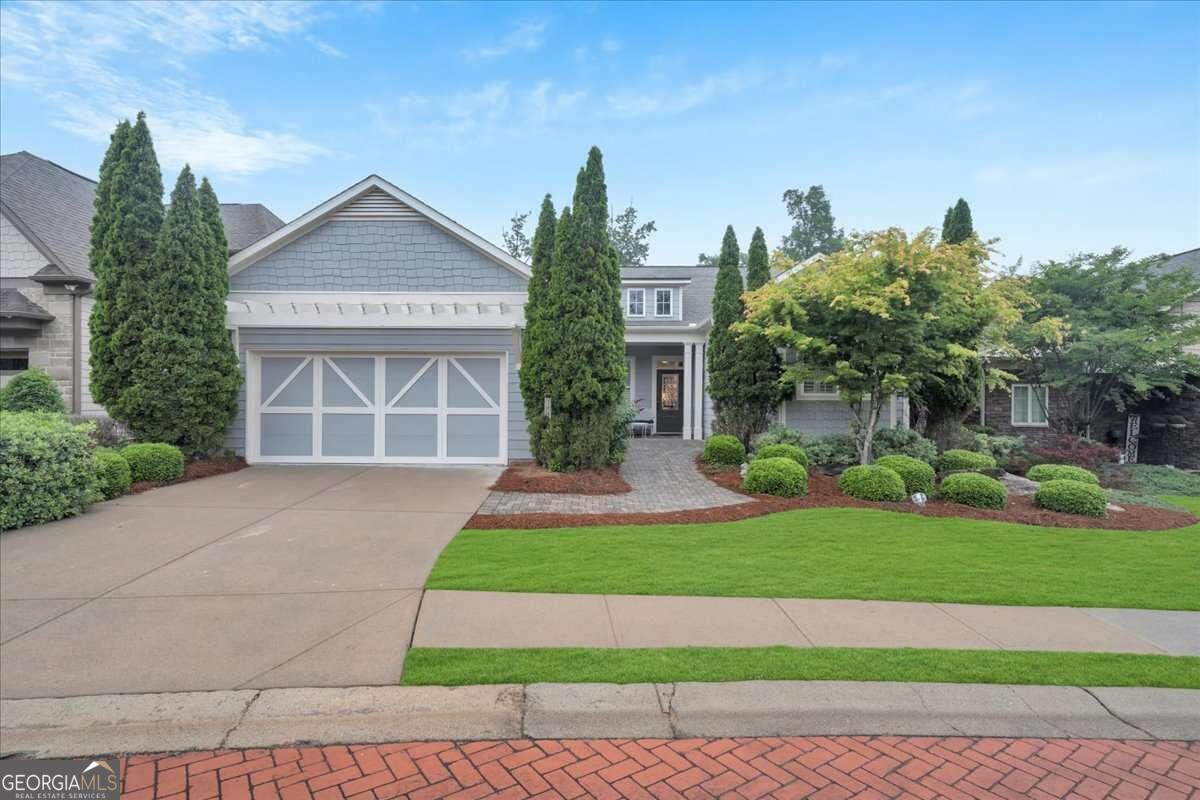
{"x":458,"y":667}
{"x":839,"y":553}
{"x":1192,"y":504}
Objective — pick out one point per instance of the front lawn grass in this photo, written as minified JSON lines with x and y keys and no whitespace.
{"x":459,"y":667}
{"x":1192,"y":504}
{"x":839,"y":553}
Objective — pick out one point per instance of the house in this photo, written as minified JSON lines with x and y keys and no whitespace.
{"x":45,"y":284}
{"x":376,"y":329}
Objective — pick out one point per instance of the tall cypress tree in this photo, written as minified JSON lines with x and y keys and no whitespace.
{"x":537,"y":339}
{"x":727,"y":309}
{"x":124,"y":233}
{"x":758,"y":267}
{"x":759,"y":363}
{"x":957,"y":226}
{"x":587,"y":368}
{"x":185,"y":378}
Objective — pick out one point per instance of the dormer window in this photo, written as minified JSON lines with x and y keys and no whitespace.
{"x":635,"y":303}
{"x":662,"y":302}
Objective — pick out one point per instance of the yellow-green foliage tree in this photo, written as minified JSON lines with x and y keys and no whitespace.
{"x":877,"y":318}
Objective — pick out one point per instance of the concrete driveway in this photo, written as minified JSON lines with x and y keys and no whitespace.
{"x":267,"y":577}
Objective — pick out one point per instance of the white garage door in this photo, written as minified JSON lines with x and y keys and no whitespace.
{"x":393,"y":408}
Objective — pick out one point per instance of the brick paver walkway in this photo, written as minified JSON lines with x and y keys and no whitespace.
{"x":661,"y":471}
{"x":698,"y":769}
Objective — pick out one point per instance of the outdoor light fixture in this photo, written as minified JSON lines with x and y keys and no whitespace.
{"x":919,"y":499}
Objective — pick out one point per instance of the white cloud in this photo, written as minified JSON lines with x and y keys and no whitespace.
{"x":831,"y":62}
{"x":524,"y":36}
{"x":326,"y":47}
{"x":489,"y":112}
{"x":83,"y":59}
{"x":610,"y":45}
{"x":637,"y":102}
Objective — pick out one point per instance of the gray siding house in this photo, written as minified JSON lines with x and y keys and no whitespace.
{"x":375,"y":329}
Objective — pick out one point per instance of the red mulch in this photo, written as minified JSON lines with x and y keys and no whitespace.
{"x":527,"y":476}
{"x":823,"y":492}
{"x":192,"y":470}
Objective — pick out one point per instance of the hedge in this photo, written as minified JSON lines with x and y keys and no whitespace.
{"x":973,"y":489}
{"x":791,"y":451}
{"x":113,"y":472}
{"x":154,"y":462}
{"x":31,"y":390}
{"x":779,"y":476}
{"x":1071,"y":497}
{"x":916,"y":474}
{"x":47,"y":469}
{"x":725,"y":450}
{"x":872,"y":482}
{"x":965,"y":459}
{"x":1061,"y":472}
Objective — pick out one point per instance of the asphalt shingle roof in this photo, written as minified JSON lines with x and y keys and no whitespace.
{"x":697,"y":295}
{"x":56,"y":206}
{"x":15,"y":304}
{"x":1188,"y":259}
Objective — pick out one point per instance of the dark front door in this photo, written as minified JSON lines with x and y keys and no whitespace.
{"x":669,"y":404}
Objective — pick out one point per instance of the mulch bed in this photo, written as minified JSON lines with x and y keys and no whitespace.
{"x":527,"y":476}
{"x":193,"y":470}
{"x":823,"y":492}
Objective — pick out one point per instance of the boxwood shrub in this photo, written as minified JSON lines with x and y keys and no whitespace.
{"x":1071,"y":497}
{"x":791,"y":451}
{"x":725,"y":450}
{"x":154,"y":462}
{"x":1055,"y":472}
{"x":916,"y":474}
{"x":47,"y":468}
{"x":965,"y":459}
{"x":973,"y":489}
{"x":31,"y":390}
{"x":113,"y":472}
{"x":903,"y":442}
{"x":779,"y":476}
{"x":872,"y":482}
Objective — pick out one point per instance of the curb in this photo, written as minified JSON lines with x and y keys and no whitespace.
{"x":108,"y":724}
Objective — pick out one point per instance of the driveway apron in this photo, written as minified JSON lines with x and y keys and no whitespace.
{"x":274,"y":576}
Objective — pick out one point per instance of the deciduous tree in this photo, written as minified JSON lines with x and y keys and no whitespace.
{"x":630,"y":240}
{"x":813,"y":230}
{"x":516,"y":242}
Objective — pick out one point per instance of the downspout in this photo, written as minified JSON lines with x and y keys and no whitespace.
{"x":76,"y":351}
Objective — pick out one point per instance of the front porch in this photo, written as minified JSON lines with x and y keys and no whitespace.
{"x":666,"y":385}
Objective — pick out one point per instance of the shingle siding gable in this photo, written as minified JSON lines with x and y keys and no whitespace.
{"x":393,"y":255}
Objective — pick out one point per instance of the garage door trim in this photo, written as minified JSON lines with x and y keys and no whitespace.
{"x":380,"y":406}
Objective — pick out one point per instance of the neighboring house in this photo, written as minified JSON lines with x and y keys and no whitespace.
{"x":45,"y":284}
{"x":375,"y":329}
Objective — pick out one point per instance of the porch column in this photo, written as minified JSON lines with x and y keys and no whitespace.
{"x":689,"y":351}
{"x":697,"y":398}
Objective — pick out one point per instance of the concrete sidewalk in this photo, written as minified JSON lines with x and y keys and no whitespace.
{"x":513,"y":619}
{"x":108,"y":724}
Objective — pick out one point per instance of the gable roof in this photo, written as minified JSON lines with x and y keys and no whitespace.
{"x":697,"y":293}
{"x":53,"y":208}
{"x":15,"y":304}
{"x":375,"y":186}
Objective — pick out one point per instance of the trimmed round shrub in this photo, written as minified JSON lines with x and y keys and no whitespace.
{"x":903,"y":442}
{"x":154,"y":462}
{"x":1061,"y":472}
{"x":725,"y":450}
{"x":973,"y":489}
{"x":779,"y":476}
{"x":872,"y":482}
{"x":113,"y":472}
{"x":31,"y":390}
{"x":916,"y":474}
{"x":47,"y":468}
{"x":1071,"y":497}
{"x":965,"y":459}
{"x":791,"y":451}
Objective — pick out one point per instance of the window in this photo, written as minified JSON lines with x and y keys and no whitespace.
{"x":1029,"y":404}
{"x":662,"y":302}
{"x":635,"y":304}
{"x":815,"y":390}
{"x":14,"y":360}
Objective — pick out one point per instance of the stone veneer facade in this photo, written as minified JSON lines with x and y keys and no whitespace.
{"x":51,"y":348}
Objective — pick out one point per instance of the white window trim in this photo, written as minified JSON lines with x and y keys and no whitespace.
{"x":629,"y":297}
{"x":1029,"y":400}
{"x":670,"y":303}
{"x":631,"y":361}
{"x":802,"y":395}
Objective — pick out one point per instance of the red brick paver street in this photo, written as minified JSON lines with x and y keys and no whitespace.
{"x":696,"y":769}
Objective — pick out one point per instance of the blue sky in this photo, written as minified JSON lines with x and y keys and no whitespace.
{"x":1068,"y":127}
